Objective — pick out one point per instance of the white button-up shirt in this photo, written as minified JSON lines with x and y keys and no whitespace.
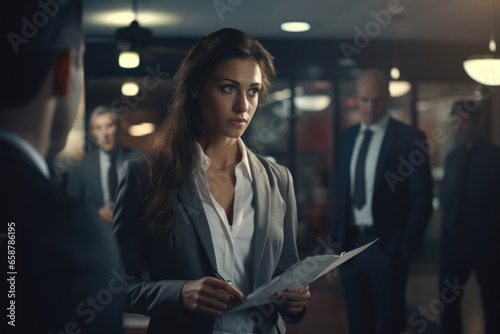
{"x":233,"y":244}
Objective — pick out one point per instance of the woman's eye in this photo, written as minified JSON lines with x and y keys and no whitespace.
{"x":254,"y":91}
{"x":227,"y":89}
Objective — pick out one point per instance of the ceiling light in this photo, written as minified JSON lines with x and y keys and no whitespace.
{"x":312,"y":102}
{"x":141,"y":129}
{"x":399,"y":88}
{"x":129,"y":59}
{"x":295,"y":26}
{"x":485,"y":69}
{"x":130,"y":89}
{"x":282,"y":95}
{"x":117,"y":18}
{"x":492,"y":45}
{"x":395,"y":73}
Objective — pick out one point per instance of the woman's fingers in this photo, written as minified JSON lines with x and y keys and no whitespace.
{"x":226,"y":287}
{"x":209,"y":295}
{"x":293,"y":299}
{"x":300,"y":292}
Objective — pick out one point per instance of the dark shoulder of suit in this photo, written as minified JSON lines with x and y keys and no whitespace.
{"x":409,"y":131}
{"x":91,"y":162}
{"x":68,"y":272}
{"x":131,"y":153}
{"x":87,"y":161}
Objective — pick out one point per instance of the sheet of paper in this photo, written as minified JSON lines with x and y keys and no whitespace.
{"x":302,"y":272}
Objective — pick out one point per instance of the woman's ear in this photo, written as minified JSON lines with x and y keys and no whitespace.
{"x":62,"y":73}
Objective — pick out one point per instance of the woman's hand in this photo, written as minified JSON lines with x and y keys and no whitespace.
{"x":209,"y":295}
{"x":293,"y":300}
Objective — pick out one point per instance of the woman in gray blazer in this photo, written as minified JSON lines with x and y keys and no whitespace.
{"x":209,"y":219}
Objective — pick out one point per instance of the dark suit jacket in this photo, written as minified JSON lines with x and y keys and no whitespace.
{"x":84,"y":182}
{"x":403,"y":190}
{"x":472,"y":210}
{"x":186,"y":252}
{"x":67,"y":263}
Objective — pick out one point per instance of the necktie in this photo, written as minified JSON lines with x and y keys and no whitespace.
{"x":112,"y":179}
{"x":359,"y":198}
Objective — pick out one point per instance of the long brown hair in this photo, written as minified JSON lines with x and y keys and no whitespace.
{"x":174,"y":155}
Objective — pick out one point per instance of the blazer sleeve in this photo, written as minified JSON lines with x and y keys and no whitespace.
{"x":289,"y":254}
{"x":151,"y":298}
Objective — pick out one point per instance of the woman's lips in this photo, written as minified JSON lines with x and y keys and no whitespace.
{"x":239,"y":122}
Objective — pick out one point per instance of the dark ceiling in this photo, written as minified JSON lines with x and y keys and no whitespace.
{"x":428,"y":39}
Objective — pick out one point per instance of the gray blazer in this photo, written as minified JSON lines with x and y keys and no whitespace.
{"x":186,"y":252}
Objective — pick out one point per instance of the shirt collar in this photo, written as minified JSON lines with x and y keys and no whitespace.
{"x":381,"y":125}
{"x":106,"y":157}
{"x":27,"y":149}
{"x":205,"y":162}
{"x":244,"y":159}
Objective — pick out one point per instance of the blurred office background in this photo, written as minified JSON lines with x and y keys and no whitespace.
{"x":311,"y":101}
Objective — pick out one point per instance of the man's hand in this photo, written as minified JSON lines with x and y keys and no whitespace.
{"x":293,"y":300}
{"x":106,"y":212}
{"x":209,"y":295}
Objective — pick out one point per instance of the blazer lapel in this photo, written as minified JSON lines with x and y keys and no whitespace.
{"x":351,"y":140}
{"x":261,"y":204}
{"x":192,"y":211}
{"x":96,"y":175}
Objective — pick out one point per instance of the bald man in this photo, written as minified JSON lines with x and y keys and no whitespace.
{"x":383,"y":189}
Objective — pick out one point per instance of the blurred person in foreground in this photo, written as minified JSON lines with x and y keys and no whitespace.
{"x":202,"y":206}
{"x":470,"y":221}
{"x":63,"y":272}
{"x":95,"y":180}
{"x":383,"y":189}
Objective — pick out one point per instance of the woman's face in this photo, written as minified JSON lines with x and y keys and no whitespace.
{"x":228,"y":99}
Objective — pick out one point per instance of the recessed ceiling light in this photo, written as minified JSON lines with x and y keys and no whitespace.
{"x":312,"y":102}
{"x":295,"y":26}
{"x":399,"y":88}
{"x":395,"y":73}
{"x":121,"y":18}
{"x":142,"y":129}
{"x":130,"y":89}
{"x":129,"y":59}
